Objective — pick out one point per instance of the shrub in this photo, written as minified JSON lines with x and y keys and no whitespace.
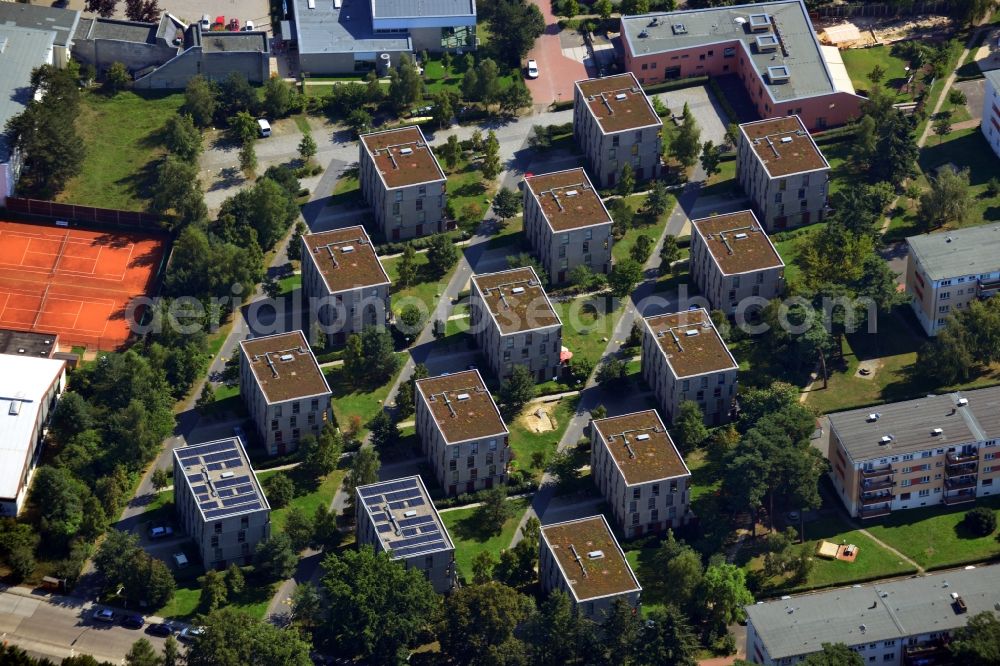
{"x":981,"y":521}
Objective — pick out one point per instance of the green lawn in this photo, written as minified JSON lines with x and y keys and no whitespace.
{"x":350,"y":400}
{"x":643,"y":225}
{"x":424,"y":293}
{"x":788,"y":245}
{"x":122,"y":136}
{"x":966,"y":149}
{"x":723,"y":183}
{"x":289,"y":284}
{"x":470,"y":540}
{"x":955,"y":46}
{"x":186,"y":601}
{"x":933,"y":537}
{"x":347,"y":190}
{"x":438,"y":78}
{"x":469,"y":195}
{"x":588,"y":322}
{"x":860,"y":62}
{"x":322,"y":495}
{"x":524,"y":441}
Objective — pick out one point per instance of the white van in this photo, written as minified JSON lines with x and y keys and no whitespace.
{"x":206,"y":22}
{"x":265,"y":128}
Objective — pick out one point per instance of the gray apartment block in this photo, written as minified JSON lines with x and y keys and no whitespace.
{"x":583,"y":559}
{"x":461,"y":432}
{"x":284,"y":390}
{"x":513,"y":323}
{"x":614,"y":124}
{"x":783,"y":171}
{"x":566,"y":223}
{"x":403,"y":183}
{"x":398,"y":517}
{"x":219,"y":502}
{"x":685,"y":358}
{"x":734,"y":263}
{"x":640,"y":472}
{"x":343,"y":282}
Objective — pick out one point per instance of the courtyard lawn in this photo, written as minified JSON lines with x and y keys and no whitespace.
{"x":362,"y":401}
{"x":186,"y":602}
{"x":470,"y":539}
{"x":643,"y":224}
{"x":122,"y":137}
{"x":424,"y":293}
{"x":469,"y":195}
{"x":588,"y":322}
{"x":438,"y":78}
{"x":525,"y":442}
{"x":347,"y":190}
{"x":860,"y":62}
{"x":966,"y":149}
{"x":789,"y":243}
{"x":321,"y":495}
{"x":934,"y":537}
{"x":723,"y":183}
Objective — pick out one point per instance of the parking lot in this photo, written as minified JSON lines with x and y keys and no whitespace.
{"x":192,"y":10}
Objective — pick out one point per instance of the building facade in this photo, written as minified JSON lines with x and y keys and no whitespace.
{"x":685,"y":358}
{"x":583,"y":559}
{"x":783,"y":171}
{"x":566,"y":223}
{"x":941,"y":449}
{"x":734,"y":263}
{"x":898,"y":623}
{"x":640,"y":472}
{"x":614,"y":124}
{"x":991,"y":110}
{"x":219,"y":502}
{"x":284,"y":390}
{"x":30,"y":387}
{"x":398,"y":517}
{"x":513,"y":323}
{"x":403,"y":183}
{"x":343,"y":282}
{"x":946,"y":271}
{"x":461,"y":432}
{"x":771,"y":47}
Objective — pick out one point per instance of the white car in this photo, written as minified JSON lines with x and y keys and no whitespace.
{"x":532,"y":69}
{"x":248,"y":26}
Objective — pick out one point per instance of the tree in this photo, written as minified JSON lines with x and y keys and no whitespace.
{"x":517,"y":390}
{"x":407,"y":268}
{"x":171,"y":652}
{"x":177,"y":189}
{"x":619,"y":635}
{"x":711,"y":157}
{"x":279,"y":490}
{"x":384,"y":431}
{"x":234,"y":638}
{"x":363,"y":586}
{"x":506,"y":204}
{"x":942,"y":125}
{"x":834,"y":654}
{"x":690,"y":426}
{"x":624,"y":276}
{"x":603,"y":8}
{"x":686,"y":142}
{"x":142,"y":654}
{"x":488,"y":76}
{"x":479,"y":622}
{"x":978,"y":642}
{"x":370,"y":358}
{"x":360,"y":121}
{"x":235,"y":95}
{"x":895,"y":150}
{"x":325,"y":533}
{"x":71,"y":416}
{"x":679,"y":573}
{"x":557,"y":634}
{"x":563,"y":466}
{"x":626,"y":180}
{"x":307,"y":148}
{"x":981,"y":521}
{"x":405,"y":84}
{"x":948,"y":201}
{"x":514,"y":25}
{"x":278,"y":97}
{"x":235,"y":580}
{"x":667,"y":638}
{"x":658,"y":199}
{"x":144,"y":11}
{"x":441,"y":254}
{"x":443,"y":110}
{"x":373,"y":89}
{"x":307,"y":606}
{"x":569,"y":8}
{"x":669,"y":253}
{"x":59,"y":497}
{"x":482,"y":567}
{"x":470,"y":86}
{"x":213,"y":591}
{"x":181,"y":137}
{"x":451,"y":151}
{"x":490,"y":166}
{"x":725,"y":593}
{"x":117,"y":78}
{"x":364,"y":469}
{"x":161,"y":478}
{"x":515,"y":97}
{"x":103,"y":8}
{"x":275,"y":558}
{"x":641,"y":250}
{"x":612,"y":370}
{"x":321,"y":454}
{"x":876,"y":74}
{"x":299,"y":528}
{"x":248,"y":159}
{"x":493,"y":510}
{"x":200,"y":101}
{"x":207,"y":395}
{"x":633,"y":7}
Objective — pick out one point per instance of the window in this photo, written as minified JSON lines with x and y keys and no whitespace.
{"x":395,"y":208}
{"x":277,"y":412}
{"x":565,"y":239}
{"x":635,"y":149}
{"x":615,"y":140}
{"x":452,"y":465}
{"x":782,"y":184}
{"x":802,"y":193}
{"x":493,"y":445}
{"x":651,"y":503}
{"x":241,"y":536}
{"x":904,"y":483}
{"x":588,"y":234}
{"x":656,"y":490}
{"x":420,"y":204}
{"x":906,"y":470}
{"x":654,"y":515}
{"x":215,"y":541}
{"x":422,"y":190}
{"x":470,"y":462}
{"x":274,"y":425}
{"x":562,"y":250}
{"x":645,"y":66}
{"x":398,"y":196}
{"x":777,"y":197}
{"x":455,"y":453}
{"x":924,"y":493}
{"x":904,"y":497}
{"x":635,"y":519}
{"x":636,"y":493}
{"x":315,"y":404}
{"x":633,"y":506}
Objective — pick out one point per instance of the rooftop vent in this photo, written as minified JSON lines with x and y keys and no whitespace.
{"x":287,"y":357}
{"x":937,"y":432}
{"x":766,"y":43}
{"x":885,"y":439}
{"x":778,"y":74}
{"x":644,"y":34}
{"x":642,"y":438}
{"x":962,"y":402}
{"x":406,"y":151}
{"x":312,"y":4}
{"x":621,"y":97}
{"x":347,"y":248}
{"x":741,"y":236}
{"x":226,"y":475}
{"x":571,"y":193}
{"x":786,"y":139}
{"x":409,"y":514}
{"x":679,"y":29}
{"x":462,"y":396}
{"x":15,"y":407}
{"x":760,"y":22}
{"x":21,"y":350}
{"x":517,"y":290}
{"x":691,"y":331}
{"x":595,"y":554}
{"x":874,"y":416}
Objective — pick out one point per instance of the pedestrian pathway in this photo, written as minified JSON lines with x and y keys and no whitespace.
{"x":920,"y":569}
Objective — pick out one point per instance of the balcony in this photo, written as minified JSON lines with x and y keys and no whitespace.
{"x":877,"y":484}
{"x":988,"y":288}
{"x":926,"y":654}
{"x":960,"y":497}
{"x":960,"y":482}
{"x":961,"y":469}
{"x":962,"y":458}
{"x":875,"y":512}
{"x":883,"y":498}
{"x":882,"y":470}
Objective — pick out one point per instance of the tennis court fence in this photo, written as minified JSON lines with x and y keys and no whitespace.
{"x":122,"y":219}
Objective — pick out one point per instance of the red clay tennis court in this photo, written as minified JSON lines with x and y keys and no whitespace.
{"x":74,"y":282}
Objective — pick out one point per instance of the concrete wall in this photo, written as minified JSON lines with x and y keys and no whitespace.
{"x":607,"y":154}
{"x":560,"y":253}
{"x":332,"y":63}
{"x":6,"y":181}
{"x":102,"y":53}
{"x":784,"y":202}
{"x":214,"y":66}
{"x":551,"y":578}
{"x":464,"y":467}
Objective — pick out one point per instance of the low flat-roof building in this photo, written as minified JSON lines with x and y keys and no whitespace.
{"x":783,"y":171}
{"x":399,"y":518}
{"x":947,"y":270}
{"x":28,"y":343}
{"x":513,"y":323}
{"x":58,"y":20}
{"x":941,"y":449}
{"x":770,"y":46}
{"x":284,"y":390}
{"x":461,"y":432}
{"x":583,"y":559}
{"x":351,"y":36}
{"x":640,"y":472}
{"x":899,"y":623}
{"x":344,"y":284}
{"x":685,"y":358}
{"x":29,"y":389}
{"x":403,"y":183}
{"x":219,"y":502}
{"x":614,"y":124}
{"x":566,"y":223}
{"x":733,"y":260}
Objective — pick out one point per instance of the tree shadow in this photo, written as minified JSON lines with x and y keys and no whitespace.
{"x":472,"y":528}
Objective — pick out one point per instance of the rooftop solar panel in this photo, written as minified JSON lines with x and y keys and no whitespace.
{"x":236,"y":462}
{"x":383,"y":528}
{"x":419,"y":520}
{"x":225,"y":483}
{"x":409,"y":551}
{"x":209,"y":505}
{"x":215,"y":467}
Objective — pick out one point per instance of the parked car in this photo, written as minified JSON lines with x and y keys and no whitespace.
{"x":159,"y":629}
{"x":104,"y":615}
{"x":160,"y":531}
{"x":264,"y":127}
{"x":206,"y":22}
{"x":190,"y":634}
{"x":532,"y":69}
{"x":248,"y":26}
{"x":133,"y":621}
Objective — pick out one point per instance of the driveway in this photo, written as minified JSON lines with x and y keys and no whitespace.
{"x":974,"y":91}
{"x":706,"y":109}
{"x":557,"y":72}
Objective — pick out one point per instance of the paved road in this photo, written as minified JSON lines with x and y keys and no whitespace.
{"x":557,"y":73}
